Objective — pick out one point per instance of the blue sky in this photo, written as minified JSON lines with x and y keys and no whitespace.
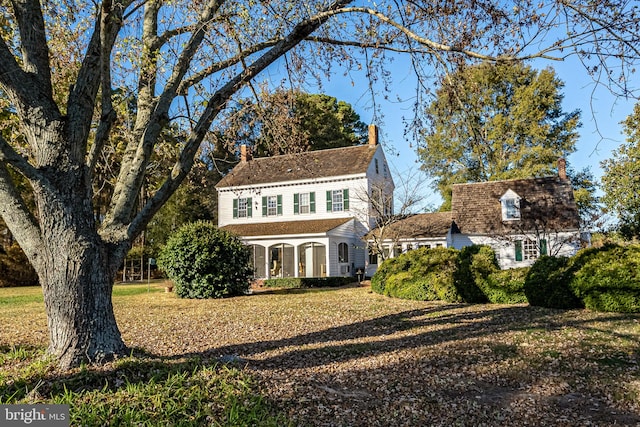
{"x":600,"y":133}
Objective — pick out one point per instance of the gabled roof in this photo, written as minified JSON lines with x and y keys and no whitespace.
{"x":547,"y":203}
{"x":425,"y":225}
{"x":307,"y":165}
{"x":286,"y":227}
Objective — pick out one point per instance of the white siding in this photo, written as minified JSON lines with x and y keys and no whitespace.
{"x":560,"y":244}
{"x":353,"y":184}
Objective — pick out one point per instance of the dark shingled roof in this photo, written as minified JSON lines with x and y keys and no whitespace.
{"x":547,"y":203}
{"x":307,"y":165}
{"x":286,"y":227}
{"x":436,"y":224}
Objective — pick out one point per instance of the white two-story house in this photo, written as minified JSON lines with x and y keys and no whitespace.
{"x":306,"y":214}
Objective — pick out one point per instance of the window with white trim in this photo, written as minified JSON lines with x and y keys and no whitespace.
{"x":305,"y":203}
{"x":336,"y":200}
{"x":510,"y":202}
{"x":529,"y":249}
{"x":343,"y":252}
{"x":373,"y":256}
{"x":242,"y":207}
{"x":272,"y":205}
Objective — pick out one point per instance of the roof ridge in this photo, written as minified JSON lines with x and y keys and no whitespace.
{"x":508,"y":180}
{"x":308,"y":152}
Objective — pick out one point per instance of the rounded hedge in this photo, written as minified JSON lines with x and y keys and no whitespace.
{"x":422,"y":274}
{"x":601,"y":279}
{"x":506,"y":286}
{"x":547,"y":283}
{"x":608,"y":278}
{"x":476,"y":263}
{"x":206,"y":262}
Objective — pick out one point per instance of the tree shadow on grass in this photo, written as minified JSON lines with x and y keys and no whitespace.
{"x":442,"y":324}
{"x":452,"y":346}
{"x":441,"y":340}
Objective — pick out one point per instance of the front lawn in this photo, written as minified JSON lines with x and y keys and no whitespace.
{"x":342,"y":356}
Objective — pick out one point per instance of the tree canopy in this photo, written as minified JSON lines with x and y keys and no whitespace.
{"x":496,"y":121}
{"x":289,"y":121}
{"x":621,"y":179}
{"x":67,"y":68}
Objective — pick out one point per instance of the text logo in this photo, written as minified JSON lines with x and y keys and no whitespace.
{"x":34,"y":415}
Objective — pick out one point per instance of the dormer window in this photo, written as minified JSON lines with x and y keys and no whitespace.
{"x":510,"y":206}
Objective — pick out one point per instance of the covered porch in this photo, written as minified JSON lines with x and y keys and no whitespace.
{"x":312,"y":248}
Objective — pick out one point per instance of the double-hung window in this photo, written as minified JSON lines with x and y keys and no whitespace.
{"x":242,"y":207}
{"x":304,"y":203}
{"x":271,"y":205}
{"x":337,"y":200}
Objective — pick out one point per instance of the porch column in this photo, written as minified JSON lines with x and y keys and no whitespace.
{"x":267,"y":262}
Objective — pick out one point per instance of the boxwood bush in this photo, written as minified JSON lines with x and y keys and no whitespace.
{"x":602,"y":279}
{"x":308,"y":282}
{"x":608,"y":278}
{"x":506,"y":286}
{"x":422,"y":274}
{"x":475,"y":264}
{"x":206,"y":262}
{"x":547,"y":283}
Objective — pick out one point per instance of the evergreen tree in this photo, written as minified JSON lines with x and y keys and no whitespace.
{"x":621,"y":179}
{"x":496,"y":121}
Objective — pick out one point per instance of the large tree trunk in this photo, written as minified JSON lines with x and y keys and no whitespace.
{"x":77,"y":285}
{"x":76,"y":269}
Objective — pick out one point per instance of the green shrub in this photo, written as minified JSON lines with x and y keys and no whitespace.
{"x":475,"y":264}
{"x":378,"y":280}
{"x":608,"y":278}
{"x":547,"y":283}
{"x":308,"y":282}
{"x":206,"y":262}
{"x":506,"y":286}
{"x":422,"y":274}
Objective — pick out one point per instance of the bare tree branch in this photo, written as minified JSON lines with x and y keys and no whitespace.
{"x":20,"y":86}
{"x":108,"y":115}
{"x":15,"y":214}
{"x":35,"y":54}
{"x":10,"y":156}
{"x":216,"y":104}
{"x":219,"y":66}
{"x":133,"y":167}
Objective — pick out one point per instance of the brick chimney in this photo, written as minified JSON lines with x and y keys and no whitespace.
{"x":245,"y":154}
{"x":373,"y":135}
{"x":562,"y":168}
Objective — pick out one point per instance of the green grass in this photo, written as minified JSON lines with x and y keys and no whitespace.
{"x":142,"y":391}
{"x":137,"y":289}
{"x":299,"y":343}
{"x":33,"y":294}
{"x":139,"y":390}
